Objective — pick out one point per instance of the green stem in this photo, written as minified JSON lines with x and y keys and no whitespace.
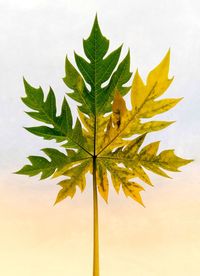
{"x":96,"y":223}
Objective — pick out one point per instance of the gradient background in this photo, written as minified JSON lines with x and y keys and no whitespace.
{"x":39,"y":239}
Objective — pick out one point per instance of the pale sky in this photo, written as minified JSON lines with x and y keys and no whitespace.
{"x":39,"y":239}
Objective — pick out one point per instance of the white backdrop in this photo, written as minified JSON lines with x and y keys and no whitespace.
{"x":35,"y":36}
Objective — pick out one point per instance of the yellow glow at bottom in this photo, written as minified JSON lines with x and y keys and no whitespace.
{"x":161,"y":239}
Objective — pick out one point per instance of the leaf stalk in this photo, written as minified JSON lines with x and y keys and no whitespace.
{"x":96,"y":223}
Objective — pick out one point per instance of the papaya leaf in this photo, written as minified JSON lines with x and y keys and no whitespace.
{"x":107,"y":138}
{"x":105,"y":128}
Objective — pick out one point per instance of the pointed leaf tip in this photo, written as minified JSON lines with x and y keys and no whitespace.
{"x":168,"y":53}
{"x":96,"y":23}
{"x":96,"y":17}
